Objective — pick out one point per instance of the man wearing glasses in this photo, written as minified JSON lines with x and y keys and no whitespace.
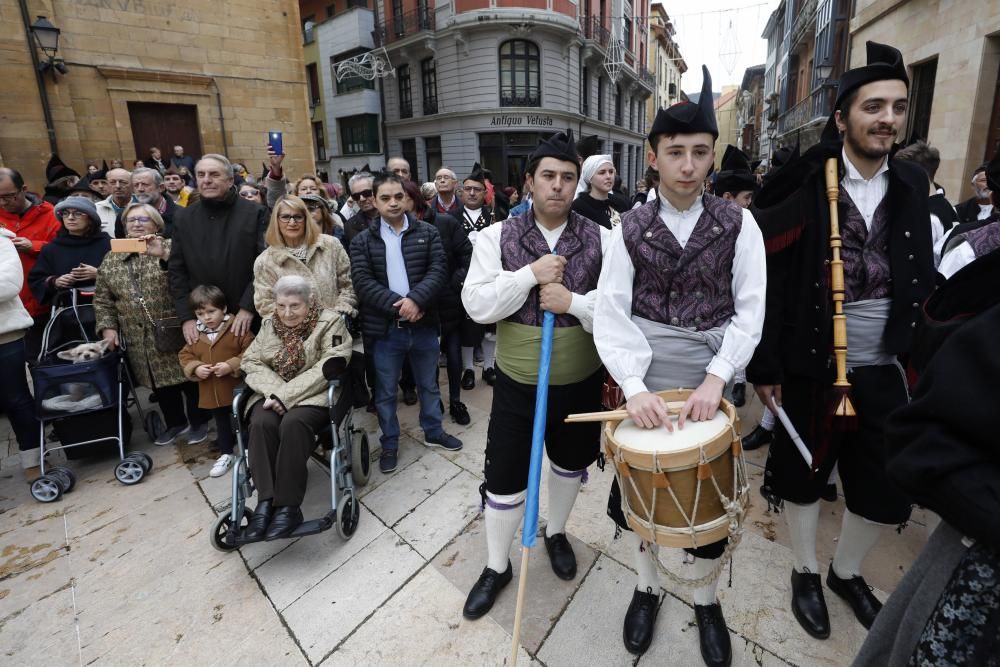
{"x":360,"y":187}
{"x":446,"y":200}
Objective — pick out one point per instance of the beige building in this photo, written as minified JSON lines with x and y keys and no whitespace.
{"x":727,"y":114}
{"x":952,"y":51}
{"x":665,"y":61}
{"x":213,"y":77}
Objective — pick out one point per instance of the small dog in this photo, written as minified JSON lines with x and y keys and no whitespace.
{"x":84,"y":352}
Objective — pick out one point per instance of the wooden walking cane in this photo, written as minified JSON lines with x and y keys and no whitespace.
{"x":841,"y":385}
{"x":530,"y":528}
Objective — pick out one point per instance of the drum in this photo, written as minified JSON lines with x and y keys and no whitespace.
{"x":686,"y":488}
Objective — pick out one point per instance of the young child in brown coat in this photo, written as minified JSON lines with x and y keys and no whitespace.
{"x":214,"y":363}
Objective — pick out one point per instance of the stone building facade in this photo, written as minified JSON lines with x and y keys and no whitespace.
{"x":214,"y":77}
{"x":665,"y":61}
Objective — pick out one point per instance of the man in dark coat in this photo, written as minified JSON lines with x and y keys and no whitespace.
{"x":360,"y":187}
{"x":215,"y":242}
{"x":979,"y":206}
{"x":888,"y":268}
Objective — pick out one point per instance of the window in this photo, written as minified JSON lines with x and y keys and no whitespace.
{"x":319,"y":140}
{"x":405,"y":98}
{"x":331,"y":10}
{"x":627,"y":26}
{"x":921,"y":98}
{"x":409,"y":152}
{"x":312,"y":76}
{"x":397,"y":18}
{"x":308,"y":23}
{"x":428,"y":81}
{"x":432,"y":149}
{"x":359,"y":134}
{"x":349,"y":84}
{"x":618,"y":105}
{"x":616,"y":156}
{"x":600,"y":98}
{"x":585,"y":91}
{"x":519,"y":74}
{"x":631,"y":113}
{"x":363,"y":4}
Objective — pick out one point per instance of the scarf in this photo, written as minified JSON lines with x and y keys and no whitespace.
{"x":291,"y":356}
{"x":589,"y":168}
{"x":299,"y":253}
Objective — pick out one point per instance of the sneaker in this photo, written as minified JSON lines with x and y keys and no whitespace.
{"x":195,"y":435}
{"x":387,"y":461}
{"x":444,"y":441}
{"x":221,"y":465}
{"x":168,"y":437}
{"x":459,"y":413}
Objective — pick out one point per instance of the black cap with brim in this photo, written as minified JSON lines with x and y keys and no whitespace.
{"x":587,"y":146}
{"x":736,"y":174}
{"x":560,"y":146}
{"x":57,"y":169}
{"x":885,"y":63}
{"x":688,"y":117}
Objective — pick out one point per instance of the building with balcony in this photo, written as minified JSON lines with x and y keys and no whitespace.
{"x":749,"y":105}
{"x":665,"y":61}
{"x":952,"y":52}
{"x":485,"y":80}
{"x":727,"y":116}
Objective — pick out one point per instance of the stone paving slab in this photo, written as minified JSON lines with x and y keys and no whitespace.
{"x":440,"y":518}
{"x":403,"y":492}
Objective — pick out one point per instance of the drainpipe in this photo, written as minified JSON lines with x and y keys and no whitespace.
{"x":222,"y":121}
{"x":39,"y":77}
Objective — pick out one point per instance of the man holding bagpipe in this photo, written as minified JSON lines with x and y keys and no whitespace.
{"x":849,"y":264}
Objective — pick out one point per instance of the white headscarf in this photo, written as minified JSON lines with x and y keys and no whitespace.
{"x":590,"y":167}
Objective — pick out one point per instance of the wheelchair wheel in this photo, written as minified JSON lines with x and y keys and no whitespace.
{"x":361,"y":460}
{"x":66,"y":474}
{"x":220,"y":531}
{"x":348,"y":514}
{"x":47,"y":489}
{"x":129,"y":472}
{"x":153,"y":425}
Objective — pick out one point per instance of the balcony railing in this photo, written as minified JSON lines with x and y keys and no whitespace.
{"x":593,"y":28}
{"x":818,"y":106}
{"x":430,"y":107}
{"x":647,"y":77}
{"x":406,"y":25}
{"x":509,"y":99}
{"x":805,"y":22}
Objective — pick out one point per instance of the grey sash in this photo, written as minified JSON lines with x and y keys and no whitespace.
{"x":680,"y":356}
{"x":865,"y":326}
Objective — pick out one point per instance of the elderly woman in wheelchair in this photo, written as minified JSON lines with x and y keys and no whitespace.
{"x":284,"y":367}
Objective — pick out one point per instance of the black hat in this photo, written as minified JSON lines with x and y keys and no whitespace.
{"x":477,"y":174}
{"x":736,"y":174}
{"x":57,"y":169}
{"x":101,"y":173}
{"x":993,"y":173}
{"x":560,"y":146}
{"x":885,"y":63}
{"x":589,"y":145}
{"x":785,"y":154}
{"x":688,"y":117}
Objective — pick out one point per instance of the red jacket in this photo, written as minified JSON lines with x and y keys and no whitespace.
{"x":39,"y":225}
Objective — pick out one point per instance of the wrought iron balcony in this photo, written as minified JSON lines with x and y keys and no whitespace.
{"x":405,"y":25}
{"x":430,"y":107}
{"x":511,"y":99}
{"x":816,"y":107}
{"x":593,"y":28}
{"x":805,"y":23}
{"x":647,"y":77}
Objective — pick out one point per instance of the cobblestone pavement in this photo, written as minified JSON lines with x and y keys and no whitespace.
{"x":125,"y":575}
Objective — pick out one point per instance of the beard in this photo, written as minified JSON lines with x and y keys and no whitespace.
{"x":982,"y":193}
{"x":147,"y":198}
{"x":854,"y":137}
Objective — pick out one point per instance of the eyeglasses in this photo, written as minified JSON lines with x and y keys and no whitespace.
{"x":313,"y":207}
{"x":9,"y":197}
{"x":248,"y":194}
{"x":292,"y":218}
{"x":73,"y":213}
{"x":472,"y":189}
{"x":139,"y":220}
{"x":363,"y":194}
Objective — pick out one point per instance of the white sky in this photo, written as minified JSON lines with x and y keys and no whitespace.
{"x":722,"y":34}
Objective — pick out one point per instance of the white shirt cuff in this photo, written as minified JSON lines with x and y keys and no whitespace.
{"x":721,"y":368}
{"x":632,"y":386}
{"x":578,"y":306}
{"x":525,"y":277}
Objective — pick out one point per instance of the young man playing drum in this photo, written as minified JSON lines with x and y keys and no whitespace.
{"x":548,"y":258}
{"x":680,"y":303}
{"x":884,"y":243}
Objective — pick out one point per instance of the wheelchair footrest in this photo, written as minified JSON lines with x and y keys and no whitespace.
{"x":314,"y":526}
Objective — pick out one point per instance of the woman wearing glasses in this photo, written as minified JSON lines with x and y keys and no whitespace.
{"x":252,"y":193}
{"x":122,"y":279}
{"x":297,"y":246}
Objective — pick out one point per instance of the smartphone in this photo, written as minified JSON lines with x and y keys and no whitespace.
{"x":275,"y":141}
{"x":128,"y":245}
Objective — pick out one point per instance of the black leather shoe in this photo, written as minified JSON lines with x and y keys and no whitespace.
{"x":758,"y":437}
{"x":639,"y":619}
{"x":857,"y":593}
{"x":468,"y":379}
{"x":410,"y":396}
{"x":716,"y":649}
{"x":489,"y":376}
{"x":809,"y":605}
{"x":286,"y":519}
{"x":459,"y":413}
{"x":561,"y":556}
{"x":740,"y":394}
{"x":257,"y":526}
{"x":484,"y":592}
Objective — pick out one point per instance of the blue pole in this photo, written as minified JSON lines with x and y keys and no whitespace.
{"x":530,"y":527}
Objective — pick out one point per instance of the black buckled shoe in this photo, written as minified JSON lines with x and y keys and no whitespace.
{"x":639,"y":619}
{"x":484,"y":592}
{"x":468,"y":379}
{"x":561,"y":556}
{"x":809,"y":605}
{"x":857,"y":593}
{"x":716,"y":649}
{"x":286,"y":519}
{"x":261,"y":519}
{"x":489,"y":376}
{"x":757,"y":438}
{"x":740,"y":394}
{"x":459,"y":413}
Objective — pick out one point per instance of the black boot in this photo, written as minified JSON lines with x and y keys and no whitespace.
{"x":257,"y":526}
{"x":468,"y":379}
{"x":286,"y":519}
{"x":809,"y":605}
{"x":716,"y":649}
{"x":857,"y":593}
{"x":639,"y":619}
{"x":561,"y":556}
{"x":758,"y":437}
{"x":740,"y":394}
{"x":484,"y":592}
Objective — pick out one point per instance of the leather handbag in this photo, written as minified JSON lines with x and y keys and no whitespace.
{"x":168,"y":335}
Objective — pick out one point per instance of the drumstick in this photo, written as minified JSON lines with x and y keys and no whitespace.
{"x":673,"y":407}
{"x":792,"y":433}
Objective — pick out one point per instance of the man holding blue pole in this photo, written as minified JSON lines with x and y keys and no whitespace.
{"x":547,"y":259}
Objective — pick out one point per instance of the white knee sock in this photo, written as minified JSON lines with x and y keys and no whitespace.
{"x":643,"y":554}
{"x":489,"y":350}
{"x":767,"y":420}
{"x":802,"y":523}
{"x":503,"y":518}
{"x":857,"y":537}
{"x":564,"y":485}
{"x":706,"y":594}
{"x":740,"y":377}
{"x":467,"y":358}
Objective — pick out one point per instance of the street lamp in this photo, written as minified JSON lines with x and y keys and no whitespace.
{"x":47,"y":39}
{"x":823,"y":72}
